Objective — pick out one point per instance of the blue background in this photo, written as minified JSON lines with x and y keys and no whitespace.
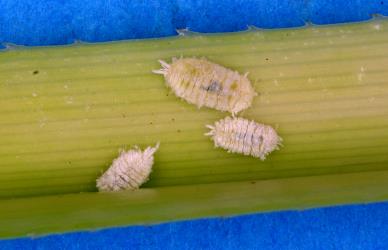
{"x":50,"y":22}
{"x":359,"y":227}
{"x":53,"y":22}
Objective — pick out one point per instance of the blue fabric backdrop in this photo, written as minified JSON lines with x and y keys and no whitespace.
{"x":49,"y":22}
{"x":361,"y":227}
{"x":52,"y":22}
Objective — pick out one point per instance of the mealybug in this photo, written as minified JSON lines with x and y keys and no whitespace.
{"x":129,"y":171}
{"x":239,"y":135}
{"x":204,"y":83}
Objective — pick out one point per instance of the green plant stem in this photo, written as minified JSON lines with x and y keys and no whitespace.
{"x":67,"y":111}
{"x":62,"y":213}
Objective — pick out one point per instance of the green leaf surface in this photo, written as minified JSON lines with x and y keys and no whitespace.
{"x":52,"y":214}
{"x":66,"y":112}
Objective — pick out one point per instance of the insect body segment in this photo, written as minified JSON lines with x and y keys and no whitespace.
{"x":129,"y":171}
{"x":204,"y":83}
{"x":239,"y":135}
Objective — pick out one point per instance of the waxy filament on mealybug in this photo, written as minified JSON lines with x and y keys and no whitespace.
{"x":239,"y":135}
{"x":204,"y":83}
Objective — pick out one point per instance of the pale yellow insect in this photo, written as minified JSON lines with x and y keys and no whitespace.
{"x":239,"y":135}
{"x":208,"y":84}
{"x":128,"y":171}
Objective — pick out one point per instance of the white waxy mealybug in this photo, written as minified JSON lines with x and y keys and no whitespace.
{"x":128,"y":171}
{"x":239,"y":135}
{"x":204,"y":83}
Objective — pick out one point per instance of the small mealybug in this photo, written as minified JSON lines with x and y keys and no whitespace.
{"x":239,"y":135}
{"x":128,"y":171}
{"x":208,"y":84}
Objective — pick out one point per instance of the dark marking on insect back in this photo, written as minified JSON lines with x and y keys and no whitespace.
{"x":35,"y":72}
{"x":213,"y":87}
{"x":234,"y":85}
